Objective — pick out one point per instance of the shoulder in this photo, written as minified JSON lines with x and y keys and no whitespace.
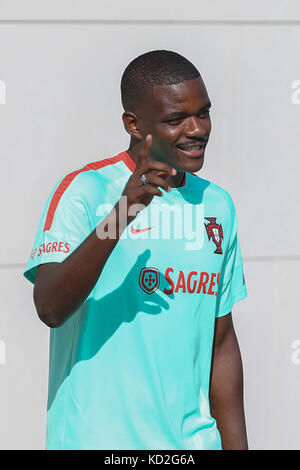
{"x":215,"y":193}
{"x":90,"y":180}
{"x":80,"y":190}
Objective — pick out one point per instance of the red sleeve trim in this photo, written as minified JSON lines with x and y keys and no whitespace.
{"x":65,"y":183}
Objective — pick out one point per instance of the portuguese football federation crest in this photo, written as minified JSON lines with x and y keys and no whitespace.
{"x":215,"y":232}
{"x":149,"y":279}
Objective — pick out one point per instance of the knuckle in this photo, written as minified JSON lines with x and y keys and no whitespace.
{"x":160,"y":166}
{"x":152,"y":190}
{"x":162,"y":183}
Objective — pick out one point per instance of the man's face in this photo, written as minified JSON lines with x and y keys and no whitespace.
{"x":177,"y":117}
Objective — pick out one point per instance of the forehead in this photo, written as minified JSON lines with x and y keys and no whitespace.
{"x":187,"y":96}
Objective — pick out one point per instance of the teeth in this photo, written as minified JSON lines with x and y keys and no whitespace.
{"x":195,"y":148}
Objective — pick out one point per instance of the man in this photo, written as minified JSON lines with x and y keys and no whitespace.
{"x":143,"y":353}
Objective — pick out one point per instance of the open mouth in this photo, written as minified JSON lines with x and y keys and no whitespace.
{"x":192,"y":150}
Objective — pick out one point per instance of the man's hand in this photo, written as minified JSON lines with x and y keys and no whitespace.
{"x":156,"y":175}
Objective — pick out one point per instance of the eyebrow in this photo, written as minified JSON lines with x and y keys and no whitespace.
{"x":183,"y":114}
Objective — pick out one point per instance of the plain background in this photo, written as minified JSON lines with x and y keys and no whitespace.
{"x":61,"y":62}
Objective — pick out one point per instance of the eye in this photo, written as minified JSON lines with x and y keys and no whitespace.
{"x":204,"y":113}
{"x":175,"y":122}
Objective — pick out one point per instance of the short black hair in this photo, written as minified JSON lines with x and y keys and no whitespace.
{"x":158,"y":67}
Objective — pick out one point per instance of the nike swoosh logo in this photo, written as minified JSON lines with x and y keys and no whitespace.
{"x":139,"y":230}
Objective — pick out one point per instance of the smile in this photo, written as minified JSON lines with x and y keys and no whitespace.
{"x":192,"y":150}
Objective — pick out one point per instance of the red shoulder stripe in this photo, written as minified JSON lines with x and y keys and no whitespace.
{"x":65,"y":183}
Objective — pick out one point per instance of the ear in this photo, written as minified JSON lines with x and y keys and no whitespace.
{"x":131,"y":123}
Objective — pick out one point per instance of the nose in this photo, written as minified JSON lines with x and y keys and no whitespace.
{"x":194,"y":128}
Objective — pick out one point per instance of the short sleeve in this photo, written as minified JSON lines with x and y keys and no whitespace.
{"x":232,"y":286}
{"x":64,"y":225}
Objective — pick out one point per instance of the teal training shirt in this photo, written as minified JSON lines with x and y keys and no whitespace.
{"x":130,"y":368}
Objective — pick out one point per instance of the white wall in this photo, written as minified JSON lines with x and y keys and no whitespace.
{"x":61,"y":62}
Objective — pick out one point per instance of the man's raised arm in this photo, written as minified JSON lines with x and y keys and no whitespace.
{"x":60,"y":288}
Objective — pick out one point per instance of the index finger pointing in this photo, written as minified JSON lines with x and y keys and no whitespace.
{"x":142,"y":157}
